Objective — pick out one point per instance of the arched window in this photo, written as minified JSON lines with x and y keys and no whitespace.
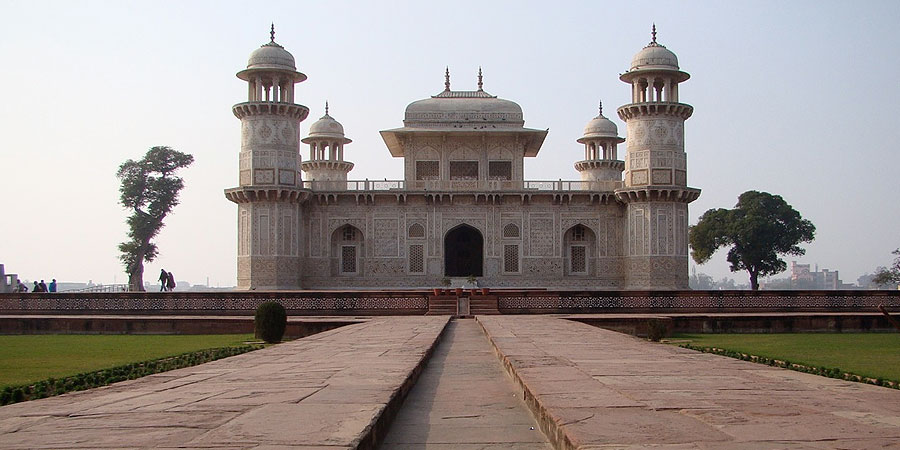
{"x":578,"y":233}
{"x":511,"y":230}
{"x":416,"y":231}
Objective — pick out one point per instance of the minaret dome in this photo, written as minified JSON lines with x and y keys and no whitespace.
{"x":326,"y":167}
{"x":601,"y":163}
{"x":328,"y":128}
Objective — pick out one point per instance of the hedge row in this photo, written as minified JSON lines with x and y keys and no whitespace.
{"x":831,"y":372}
{"x":88,"y":380}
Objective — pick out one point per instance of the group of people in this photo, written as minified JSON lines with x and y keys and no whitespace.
{"x":38,"y":287}
{"x":166,"y":281}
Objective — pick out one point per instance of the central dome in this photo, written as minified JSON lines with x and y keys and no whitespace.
{"x":463,"y":108}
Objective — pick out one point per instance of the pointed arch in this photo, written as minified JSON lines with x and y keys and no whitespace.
{"x":463,"y":252}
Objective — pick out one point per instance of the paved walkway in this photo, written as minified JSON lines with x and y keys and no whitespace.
{"x":464,"y":400}
{"x":594,"y":388}
{"x":325,"y":391}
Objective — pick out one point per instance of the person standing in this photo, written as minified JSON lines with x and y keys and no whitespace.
{"x":170,"y":281}
{"x":43,"y":286}
{"x":52,"y":287}
{"x":163,"y":280}
{"x":21,"y":287}
{"x":36,"y":288}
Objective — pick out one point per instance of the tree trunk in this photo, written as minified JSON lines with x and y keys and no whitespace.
{"x":754,"y":281}
{"x":136,"y":277}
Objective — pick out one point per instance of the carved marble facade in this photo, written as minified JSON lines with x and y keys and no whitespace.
{"x":464,"y":200}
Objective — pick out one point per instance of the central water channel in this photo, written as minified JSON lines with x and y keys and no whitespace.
{"x":464,"y":400}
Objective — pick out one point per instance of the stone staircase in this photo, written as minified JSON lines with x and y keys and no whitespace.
{"x":480,"y":305}
{"x":447,"y":304}
{"x":441,"y":305}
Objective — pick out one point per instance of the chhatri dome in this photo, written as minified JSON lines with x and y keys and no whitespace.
{"x":459,"y":109}
{"x":327,"y":127}
{"x":599,"y":127}
{"x":654,"y":56}
{"x":272,"y":57}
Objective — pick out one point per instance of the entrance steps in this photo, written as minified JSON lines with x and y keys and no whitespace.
{"x":483,"y":305}
{"x":448,"y":304}
{"x":441,"y":305}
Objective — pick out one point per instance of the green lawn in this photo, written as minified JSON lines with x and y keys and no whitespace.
{"x":875,"y":355}
{"x":30,"y":358}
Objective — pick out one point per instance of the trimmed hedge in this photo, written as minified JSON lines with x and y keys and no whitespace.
{"x":88,"y":380}
{"x":270,"y":322}
{"x":831,"y":372}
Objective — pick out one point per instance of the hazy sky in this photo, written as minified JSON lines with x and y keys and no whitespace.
{"x":796,"y":98}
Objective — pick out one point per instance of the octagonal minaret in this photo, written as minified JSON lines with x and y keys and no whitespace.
{"x":655,"y":186}
{"x":270,"y":187}
{"x":601,"y":161}
{"x":326,"y":168}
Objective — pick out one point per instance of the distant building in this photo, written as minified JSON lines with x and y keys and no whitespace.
{"x":865,"y":282}
{"x":8,"y":281}
{"x":803,"y":277}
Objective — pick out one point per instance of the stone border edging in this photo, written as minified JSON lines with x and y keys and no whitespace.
{"x":550,"y":426}
{"x":374,"y":433}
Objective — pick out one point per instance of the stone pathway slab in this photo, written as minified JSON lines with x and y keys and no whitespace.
{"x":331,"y":390}
{"x":595,"y":389}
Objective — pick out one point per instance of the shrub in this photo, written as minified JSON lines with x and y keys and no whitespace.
{"x":270,"y":322}
{"x":656,"y":330}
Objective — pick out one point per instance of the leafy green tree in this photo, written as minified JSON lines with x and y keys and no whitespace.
{"x":150,"y":190}
{"x":759,"y":228}
{"x":888,"y":275}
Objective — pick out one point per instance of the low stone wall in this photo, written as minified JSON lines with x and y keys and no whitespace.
{"x":594,"y":302}
{"x":311,"y":303}
{"x":317,"y":303}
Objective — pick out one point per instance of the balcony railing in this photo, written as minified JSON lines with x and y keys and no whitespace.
{"x":463,"y":185}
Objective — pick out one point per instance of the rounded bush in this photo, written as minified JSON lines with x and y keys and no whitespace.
{"x":656,"y":330}
{"x":270,"y":322}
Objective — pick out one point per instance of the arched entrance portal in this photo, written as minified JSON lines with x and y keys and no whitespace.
{"x":463,"y":252}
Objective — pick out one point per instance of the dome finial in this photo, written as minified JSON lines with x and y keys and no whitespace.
{"x":272,"y":33}
{"x":601,"y":107}
{"x":447,"y":78}
{"x":653,"y":33}
{"x":326,"y":107}
{"x":480,"y":83}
